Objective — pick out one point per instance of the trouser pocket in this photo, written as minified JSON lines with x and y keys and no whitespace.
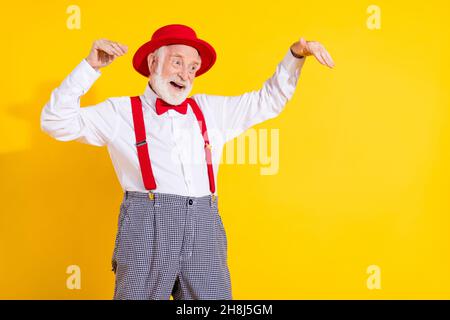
{"x":218,"y":218}
{"x":122,"y":216}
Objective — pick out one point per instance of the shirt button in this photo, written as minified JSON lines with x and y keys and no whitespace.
{"x":190,"y":202}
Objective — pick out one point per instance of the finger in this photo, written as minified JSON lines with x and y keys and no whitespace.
{"x":303,"y":43}
{"x":106,"y":48}
{"x":331,"y":59}
{"x":326,"y":58}
{"x":312,"y":46}
{"x":124,"y":47}
{"x":118,"y":48}
{"x":319,"y":57}
{"x":327,"y":63}
{"x":114,"y":50}
{"x":318,"y":53}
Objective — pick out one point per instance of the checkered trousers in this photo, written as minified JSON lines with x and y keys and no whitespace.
{"x":171,"y":245}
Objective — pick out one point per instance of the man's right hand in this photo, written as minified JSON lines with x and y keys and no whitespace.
{"x":103,"y":52}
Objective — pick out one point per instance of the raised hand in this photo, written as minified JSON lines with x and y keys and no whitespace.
{"x":314,"y":48}
{"x":104,"y":51}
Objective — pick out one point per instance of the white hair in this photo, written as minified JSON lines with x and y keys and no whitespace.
{"x":160,"y":54}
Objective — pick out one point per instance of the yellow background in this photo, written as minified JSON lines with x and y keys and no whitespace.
{"x":364,"y":148}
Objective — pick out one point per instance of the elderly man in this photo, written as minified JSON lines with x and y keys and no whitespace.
{"x":166,"y":150}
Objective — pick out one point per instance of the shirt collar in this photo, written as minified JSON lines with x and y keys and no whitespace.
{"x":150,"y":97}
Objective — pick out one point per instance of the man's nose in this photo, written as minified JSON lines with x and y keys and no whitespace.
{"x":184,"y":74}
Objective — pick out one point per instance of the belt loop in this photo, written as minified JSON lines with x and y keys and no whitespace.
{"x":154,"y":198}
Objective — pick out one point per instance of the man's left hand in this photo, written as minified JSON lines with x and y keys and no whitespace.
{"x":313,"y":48}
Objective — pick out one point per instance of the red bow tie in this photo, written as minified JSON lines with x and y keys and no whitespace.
{"x":162,"y":106}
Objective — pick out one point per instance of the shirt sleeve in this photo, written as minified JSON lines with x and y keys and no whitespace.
{"x":63,"y":119}
{"x":235,"y":114}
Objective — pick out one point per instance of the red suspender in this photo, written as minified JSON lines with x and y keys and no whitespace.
{"x":201,"y":122}
{"x":142,"y":146}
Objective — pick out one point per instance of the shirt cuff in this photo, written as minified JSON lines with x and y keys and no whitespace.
{"x":84,"y":75}
{"x":291,"y":63}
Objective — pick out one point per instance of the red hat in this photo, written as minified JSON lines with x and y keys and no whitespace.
{"x":174,"y":34}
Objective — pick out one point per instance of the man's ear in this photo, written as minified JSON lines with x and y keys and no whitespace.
{"x":151,"y":60}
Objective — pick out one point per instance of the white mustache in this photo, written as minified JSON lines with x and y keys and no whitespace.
{"x":181,"y":83}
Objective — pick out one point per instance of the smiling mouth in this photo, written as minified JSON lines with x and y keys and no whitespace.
{"x":176,"y":85}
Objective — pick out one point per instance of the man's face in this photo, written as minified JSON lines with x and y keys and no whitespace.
{"x":173,"y":79}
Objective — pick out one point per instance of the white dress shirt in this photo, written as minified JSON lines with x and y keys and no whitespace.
{"x":174,"y":140}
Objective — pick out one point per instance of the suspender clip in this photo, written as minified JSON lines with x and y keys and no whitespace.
{"x":141,"y":143}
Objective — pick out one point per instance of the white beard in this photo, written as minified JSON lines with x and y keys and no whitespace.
{"x":162,"y":88}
